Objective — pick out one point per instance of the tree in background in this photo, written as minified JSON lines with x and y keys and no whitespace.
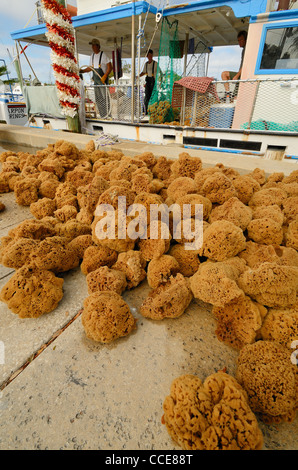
{"x":4,"y":71}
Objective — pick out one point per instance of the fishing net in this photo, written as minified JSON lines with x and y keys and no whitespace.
{"x":163,"y":109}
{"x":169,"y":69}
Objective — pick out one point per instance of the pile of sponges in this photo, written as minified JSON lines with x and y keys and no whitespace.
{"x":246,"y":269}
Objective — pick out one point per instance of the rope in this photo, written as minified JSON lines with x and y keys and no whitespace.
{"x":30,"y":18}
{"x":158,"y":18}
{"x":90,"y":67}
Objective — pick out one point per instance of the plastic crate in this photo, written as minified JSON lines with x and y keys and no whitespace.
{"x":221,"y":116}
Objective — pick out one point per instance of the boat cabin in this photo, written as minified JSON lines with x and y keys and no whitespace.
{"x":259,"y":108}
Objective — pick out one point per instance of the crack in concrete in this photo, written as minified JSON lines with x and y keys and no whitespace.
{"x":33,"y":356}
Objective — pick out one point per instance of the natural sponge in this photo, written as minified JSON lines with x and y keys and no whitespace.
{"x":107,"y":317}
{"x":218,"y":188}
{"x":239,"y":323}
{"x":157,"y":242}
{"x":31,"y":292}
{"x":188,"y":260}
{"x":216,"y":282}
{"x":26,"y":191}
{"x":17,"y":252}
{"x":271,"y":284}
{"x":186,"y":166}
{"x":265,"y":231}
{"x":43,"y":208}
{"x":223,"y":240}
{"x":54,"y":254}
{"x":180,"y":187}
{"x":234,"y":211}
{"x":265,"y":371}
{"x":268,"y":197}
{"x":214,"y":415}
{"x":194,"y":200}
{"x":169,"y":300}
{"x":97,"y":256}
{"x":291,"y":235}
{"x":106,"y":279}
{"x":133,"y":265}
{"x":281,"y":325}
{"x":161,"y":269}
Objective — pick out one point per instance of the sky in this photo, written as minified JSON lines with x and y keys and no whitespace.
{"x":18,"y":14}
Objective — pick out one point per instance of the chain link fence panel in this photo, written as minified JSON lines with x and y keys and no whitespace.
{"x":268,"y":104}
{"x":114,"y":102}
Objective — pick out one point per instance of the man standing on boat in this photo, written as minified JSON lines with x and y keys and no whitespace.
{"x":101,"y":66}
{"x":149,"y":70}
{"x":226,"y":75}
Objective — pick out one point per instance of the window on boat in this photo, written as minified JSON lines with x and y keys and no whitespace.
{"x":280,"y":49}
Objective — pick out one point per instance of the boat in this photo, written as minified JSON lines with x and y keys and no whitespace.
{"x":260,"y":115}
{"x":13,"y":109}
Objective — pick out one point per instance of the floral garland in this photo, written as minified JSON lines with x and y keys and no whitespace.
{"x":60,"y":34}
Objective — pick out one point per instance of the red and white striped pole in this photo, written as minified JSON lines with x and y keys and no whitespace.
{"x":61,"y":38}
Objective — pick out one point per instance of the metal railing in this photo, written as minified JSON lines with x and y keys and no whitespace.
{"x":114,"y":102}
{"x":257,"y":104}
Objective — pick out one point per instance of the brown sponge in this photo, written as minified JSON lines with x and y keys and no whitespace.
{"x":43,"y":208}
{"x":239,"y":323}
{"x":216,"y":282}
{"x":271,"y":284}
{"x":180,"y":187}
{"x":107,"y":317}
{"x":31,"y":292}
{"x":158,"y":244}
{"x":281,"y":325}
{"x":265,"y":231}
{"x":80,"y":244}
{"x":265,"y":371}
{"x":291,"y":235}
{"x":18,"y":252}
{"x":218,"y":188}
{"x":256,"y":254}
{"x":169,"y":300}
{"x":54,"y":254}
{"x":35,"y":229}
{"x":161,"y":269}
{"x":26,"y":191}
{"x":133,"y":265}
{"x":66,"y":213}
{"x":104,"y":278}
{"x":214,"y":415}
{"x":269,"y":212}
{"x":72,"y":229}
{"x":245,"y":187}
{"x":234,"y":211}
{"x":193,"y":200}
{"x":268,"y":197}
{"x":97,"y":256}
{"x":186,"y":165}
{"x":223,"y":240}
{"x":188,"y":260}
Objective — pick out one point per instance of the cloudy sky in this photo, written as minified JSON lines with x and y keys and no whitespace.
{"x":18,"y":14}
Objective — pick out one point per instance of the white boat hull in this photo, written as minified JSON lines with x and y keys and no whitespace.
{"x":255,"y":143}
{"x":13,"y":113}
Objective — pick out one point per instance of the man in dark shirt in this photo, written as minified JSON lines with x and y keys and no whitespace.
{"x":149,"y":70}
